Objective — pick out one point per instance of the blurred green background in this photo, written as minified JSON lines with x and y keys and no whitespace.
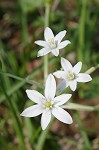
{"x":21,"y":23}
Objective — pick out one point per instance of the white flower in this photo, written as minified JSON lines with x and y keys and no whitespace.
{"x":48,"y":105}
{"x":52,"y":43}
{"x":71,"y":75}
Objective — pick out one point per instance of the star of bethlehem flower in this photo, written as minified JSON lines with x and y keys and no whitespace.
{"x":70,"y":76}
{"x":48,"y":105}
{"x":52,"y":43}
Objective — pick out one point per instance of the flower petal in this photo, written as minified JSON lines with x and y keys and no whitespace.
{"x":43,"y":51}
{"x":48,"y":34}
{"x":60,"y":100}
{"x":45,"y":119}
{"x":60,"y":74}
{"x":77,"y":67}
{"x":73,"y":85}
{"x":66,"y":64}
{"x":61,"y":86}
{"x":41,"y":43}
{"x":63,"y":44}
{"x":83,"y":77}
{"x":50,"y":87}
{"x":60,"y":36}
{"x":35,"y":96}
{"x":62,"y":115}
{"x":55,"y":52}
{"x":32,"y":111}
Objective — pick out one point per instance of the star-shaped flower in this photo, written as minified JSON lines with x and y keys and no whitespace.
{"x":48,"y":104}
{"x":52,"y":43}
{"x":71,"y":75}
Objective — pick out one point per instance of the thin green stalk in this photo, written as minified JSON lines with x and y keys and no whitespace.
{"x":21,"y":79}
{"x":81,"y":35}
{"x":15,"y":118}
{"x":47,"y":12}
{"x":92,"y":69}
{"x":75,"y":106}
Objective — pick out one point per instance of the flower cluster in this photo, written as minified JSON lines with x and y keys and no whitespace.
{"x":50,"y":104}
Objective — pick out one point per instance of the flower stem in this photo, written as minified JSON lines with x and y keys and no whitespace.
{"x":75,"y":106}
{"x":47,"y":12}
{"x":92,"y":69}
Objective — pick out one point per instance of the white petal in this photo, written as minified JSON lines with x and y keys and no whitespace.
{"x":55,"y":52}
{"x":32,"y":111}
{"x":50,"y":87}
{"x":61,"y":86}
{"x":45,"y":119}
{"x":66,"y":64}
{"x":43,"y":51}
{"x":48,"y":34}
{"x":73,"y":85}
{"x":35,"y":96}
{"x":77,"y":67}
{"x":60,"y":74}
{"x":83,"y":77}
{"x":41,"y":43}
{"x":60,"y":36}
{"x":60,"y":100}
{"x":63,"y":44}
{"x":62,"y":115}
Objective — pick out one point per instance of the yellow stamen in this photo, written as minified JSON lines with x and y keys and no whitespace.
{"x":70,"y":76}
{"x":48,"y":104}
{"x":51,"y":41}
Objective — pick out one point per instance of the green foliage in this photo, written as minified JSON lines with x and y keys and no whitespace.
{"x":31,"y":5}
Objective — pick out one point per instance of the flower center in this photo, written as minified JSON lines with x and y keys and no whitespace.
{"x":70,"y":76}
{"x":47,"y":104}
{"x":52,"y":43}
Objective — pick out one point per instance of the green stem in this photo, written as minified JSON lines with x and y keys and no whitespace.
{"x":82,"y":31}
{"x":75,"y":106}
{"x":92,"y":69}
{"x":47,"y":12}
{"x":26,"y":80}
